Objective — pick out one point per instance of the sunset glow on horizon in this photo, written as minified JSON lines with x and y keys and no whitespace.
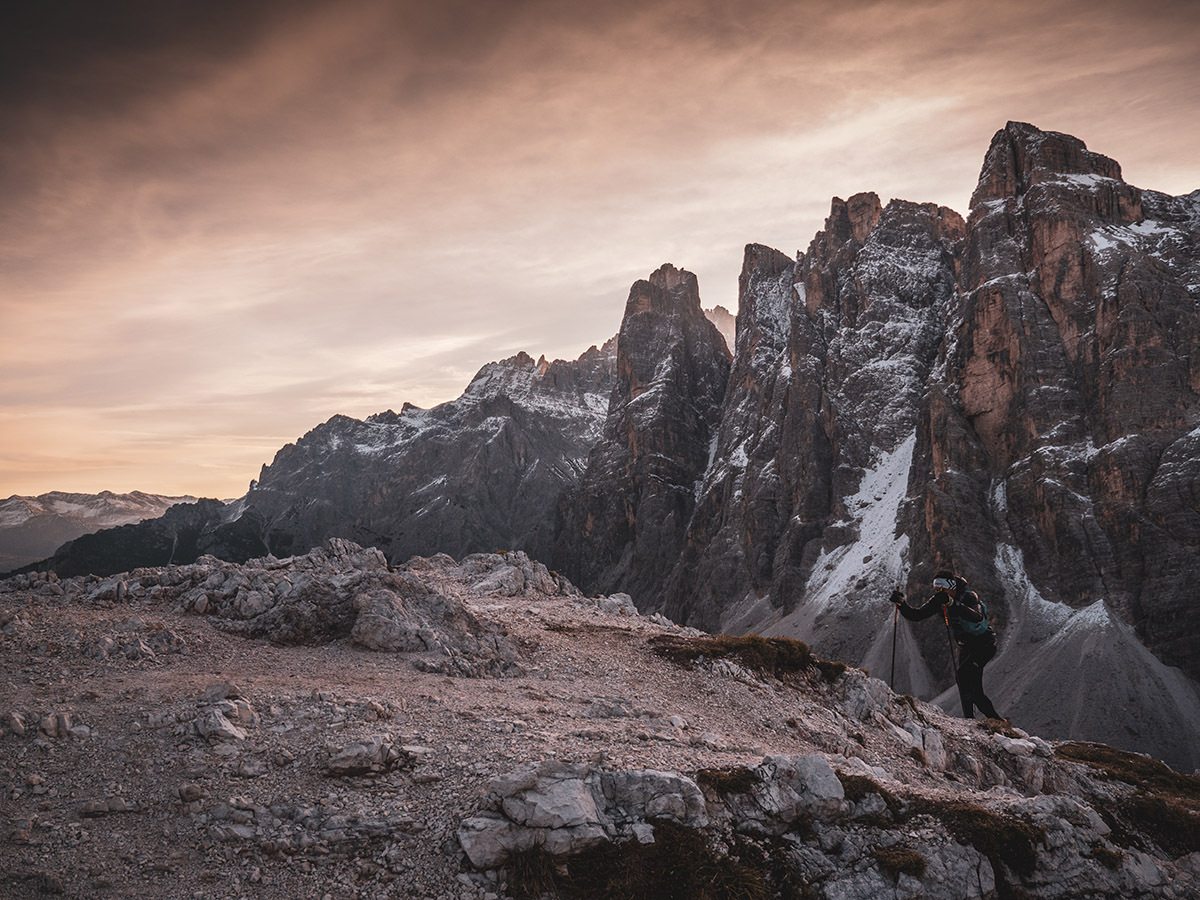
{"x":223,"y":223}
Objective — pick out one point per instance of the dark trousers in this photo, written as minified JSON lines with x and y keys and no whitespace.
{"x":972,"y":657}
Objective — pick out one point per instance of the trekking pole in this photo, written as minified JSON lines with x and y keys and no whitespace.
{"x":950,"y":639}
{"x":895,"y":623}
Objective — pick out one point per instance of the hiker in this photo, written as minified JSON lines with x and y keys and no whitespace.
{"x":967,"y":617}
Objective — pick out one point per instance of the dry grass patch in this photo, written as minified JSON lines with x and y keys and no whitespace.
{"x":999,"y":726}
{"x":856,"y":787}
{"x":900,"y":859}
{"x":1164,"y":806}
{"x":735,"y":780}
{"x":775,"y":657}
{"x":1001,"y":837}
{"x":1141,"y":771}
{"x":1108,"y":857}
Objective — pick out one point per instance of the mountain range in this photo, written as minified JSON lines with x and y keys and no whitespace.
{"x":32,"y":528}
{"x":1014,"y":394}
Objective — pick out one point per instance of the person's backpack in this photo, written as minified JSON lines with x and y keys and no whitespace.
{"x":981,"y":627}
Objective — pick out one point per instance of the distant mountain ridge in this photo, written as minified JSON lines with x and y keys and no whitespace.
{"x":478,"y":473}
{"x":32,"y":528}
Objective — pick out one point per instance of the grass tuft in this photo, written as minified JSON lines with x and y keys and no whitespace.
{"x":736,"y":780}
{"x":1170,"y":822}
{"x":831,"y":669}
{"x":856,"y":787}
{"x":999,"y":726}
{"x":1164,"y":806}
{"x":776,"y":657}
{"x":1107,"y":856}
{"x":1001,"y":837}
{"x":532,"y":874}
{"x":1141,"y":771}
{"x":900,"y":859}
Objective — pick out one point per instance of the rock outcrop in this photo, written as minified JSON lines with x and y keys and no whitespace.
{"x":622,"y":528}
{"x":1058,"y":829}
{"x":791,"y":822}
{"x":337,"y":591}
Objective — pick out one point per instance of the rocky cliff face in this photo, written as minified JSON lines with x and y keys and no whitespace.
{"x":1015,"y":397}
{"x":622,"y":528}
{"x":832,"y":356}
{"x":1062,"y":432}
{"x":1076,"y":363}
{"x":32,"y":528}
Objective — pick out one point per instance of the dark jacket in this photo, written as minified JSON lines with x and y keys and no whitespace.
{"x":965,"y":608}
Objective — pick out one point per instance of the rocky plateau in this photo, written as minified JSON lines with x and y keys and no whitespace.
{"x":328,"y":725}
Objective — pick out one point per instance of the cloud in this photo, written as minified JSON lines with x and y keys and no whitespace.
{"x":270,"y":213}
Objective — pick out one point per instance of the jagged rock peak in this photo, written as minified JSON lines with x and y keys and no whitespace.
{"x":765,"y":295}
{"x":1022,"y":155}
{"x":668,"y":277}
{"x":667,"y":290}
{"x":847,"y":227}
{"x":856,"y":217}
{"x":521,"y":371}
{"x":608,"y":348}
{"x":766,"y":260}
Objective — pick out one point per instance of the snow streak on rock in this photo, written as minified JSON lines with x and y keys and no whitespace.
{"x":856,"y":576}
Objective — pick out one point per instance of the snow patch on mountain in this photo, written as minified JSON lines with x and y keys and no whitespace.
{"x":860,"y":572}
{"x":1149,"y":236}
{"x":858,"y":577}
{"x":104,"y":507}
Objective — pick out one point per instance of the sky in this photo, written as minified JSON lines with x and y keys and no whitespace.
{"x":222,"y":223}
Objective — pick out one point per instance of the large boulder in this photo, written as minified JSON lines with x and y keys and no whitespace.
{"x":565,"y":808}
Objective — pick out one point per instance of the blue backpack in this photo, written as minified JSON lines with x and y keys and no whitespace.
{"x":975,"y":629}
